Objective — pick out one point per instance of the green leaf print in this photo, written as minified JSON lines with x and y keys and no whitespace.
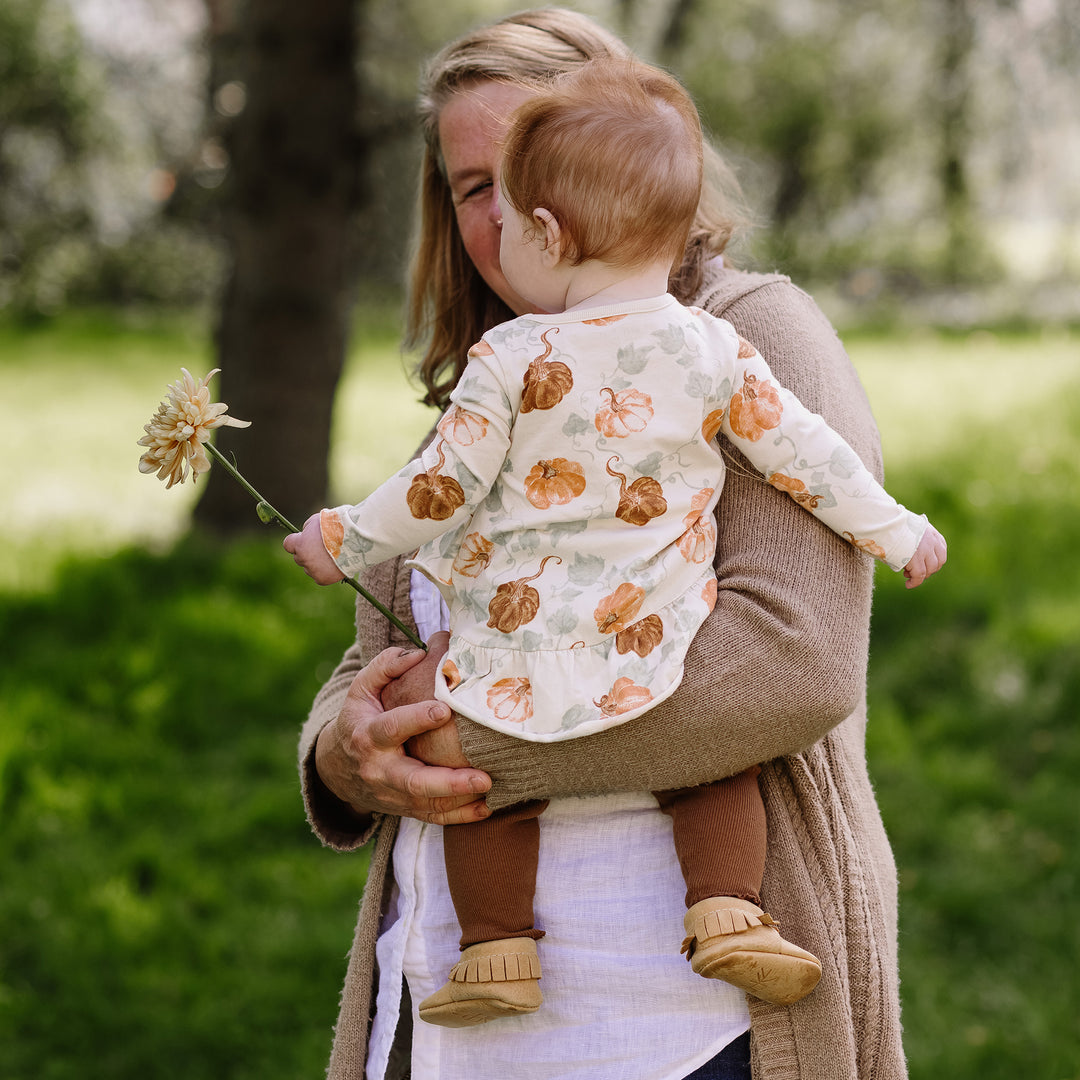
{"x":578,"y":714}
{"x":585,"y":569}
{"x":672,"y":338}
{"x":562,"y":622}
{"x":633,"y":360}
{"x":560,"y":530}
{"x":649,"y":466}
{"x":576,"y":424}
{"x":698,"y":385}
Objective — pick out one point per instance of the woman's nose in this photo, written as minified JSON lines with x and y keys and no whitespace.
{"x":495,"y":209}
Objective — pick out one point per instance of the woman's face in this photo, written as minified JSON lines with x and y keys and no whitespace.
{"x":471,"y":128}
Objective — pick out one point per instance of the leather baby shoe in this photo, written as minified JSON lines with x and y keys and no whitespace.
{"x":734,"y":940}
{"x":492,"y":979}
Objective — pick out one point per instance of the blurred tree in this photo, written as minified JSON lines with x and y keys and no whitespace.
{"x":47,"y":127}
{"x":291,"y":190}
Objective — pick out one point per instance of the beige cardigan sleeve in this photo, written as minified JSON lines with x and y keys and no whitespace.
{"x":779,"y":662}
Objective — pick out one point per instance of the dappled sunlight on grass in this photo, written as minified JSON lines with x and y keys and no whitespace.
{"x":171,"y":914}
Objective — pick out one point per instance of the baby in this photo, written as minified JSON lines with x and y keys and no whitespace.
{"x":565,"y":512}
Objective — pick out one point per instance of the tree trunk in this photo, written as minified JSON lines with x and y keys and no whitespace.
{"x":290,"y":198}
{"x":957,"y":41}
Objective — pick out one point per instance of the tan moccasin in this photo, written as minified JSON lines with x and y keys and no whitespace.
{"x":492,"y":979}
{"x":734,"y":940}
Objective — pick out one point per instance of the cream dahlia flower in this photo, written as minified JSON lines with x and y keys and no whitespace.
{"x":177,"y":431}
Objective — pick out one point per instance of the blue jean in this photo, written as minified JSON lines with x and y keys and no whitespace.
{"x":732,"y":1063}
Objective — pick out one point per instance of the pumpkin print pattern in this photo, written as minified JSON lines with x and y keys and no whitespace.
{"x":617,"y":611}
{"x":641,"y":637}
{"x":462,"y":427}
{"x":698,"y":543}
{"x":623,"y":697}
{"x":431,"y":495}
{"x":871,"y":547}
{"x":639,"y":502}
{"x":554,"y":483}
{"x":796,"y":489}
{"x":546,"y":382}
{"x":625,"y":412}
{"x":333,"y":532}
{"x":516,"y":602}
{"x":511,"y":700}
{"x":755,"y":408}
{"x":593,"y":448}
{"x":710,"y":593}
{"x":474,"y":557}
{"x":451,"y":674}
{"x":711,"y":425}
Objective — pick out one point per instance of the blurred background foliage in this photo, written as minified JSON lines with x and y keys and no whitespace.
{"x":910,"y":151}
{"x":164,"y":909}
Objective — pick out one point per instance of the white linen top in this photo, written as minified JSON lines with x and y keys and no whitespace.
{"x":566,"y":507}
{"x":615,"y":1004}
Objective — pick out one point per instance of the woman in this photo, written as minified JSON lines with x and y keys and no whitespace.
{"x":777,"y":674}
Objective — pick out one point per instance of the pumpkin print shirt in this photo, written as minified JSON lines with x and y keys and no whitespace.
{"x":565,"y":507}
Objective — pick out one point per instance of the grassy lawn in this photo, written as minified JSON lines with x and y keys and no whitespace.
{"x":165,"y":911}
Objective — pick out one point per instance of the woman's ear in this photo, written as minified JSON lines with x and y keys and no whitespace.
{"x":552,"y":250}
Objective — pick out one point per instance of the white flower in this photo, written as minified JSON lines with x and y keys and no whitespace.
{"x":180,"y":426}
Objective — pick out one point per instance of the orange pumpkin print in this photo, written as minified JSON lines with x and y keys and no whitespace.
{"x":511,"y":699}
{"x":641,"y":637}
{"x":627,"y":411}
{"x":617,"y":611}
{"x":642,"y":501}
{"x":710,"y":592}
{"x":796,"y":489}
{"x":755,"y":408}
{"x":333,"y":532}
{"x":474,"y":555}
{"x":696,"y":545}
{"x":622,"y":697}
{"x":605,"y":320}
{"x":554,"y":483}
{"x":712,"y":424}
{"x":746,"y":350}
{"x":871,"y":547}
{"x":433,"y":496}
{"x":546,"y":382}
{"x":451,"y":674}
{"x":516,"y":602}
{"x":462,"y":427}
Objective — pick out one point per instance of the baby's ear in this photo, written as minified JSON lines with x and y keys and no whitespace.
{"x":551,"y":234}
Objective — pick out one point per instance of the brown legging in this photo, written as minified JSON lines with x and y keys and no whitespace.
{"x":719,"y":832}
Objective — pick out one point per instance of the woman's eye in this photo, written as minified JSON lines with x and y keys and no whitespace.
{"x":477,"y":188}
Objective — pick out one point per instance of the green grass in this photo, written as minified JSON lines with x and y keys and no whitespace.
{"x":165,"y":910}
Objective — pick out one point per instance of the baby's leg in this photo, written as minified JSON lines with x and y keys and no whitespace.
{"x":491,"y":871}
{"x":720,"y":837}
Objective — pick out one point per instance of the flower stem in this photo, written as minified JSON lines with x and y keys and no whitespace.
{"x":268,"y":516}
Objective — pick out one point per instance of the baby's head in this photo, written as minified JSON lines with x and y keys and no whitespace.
{"x":613,"y":150}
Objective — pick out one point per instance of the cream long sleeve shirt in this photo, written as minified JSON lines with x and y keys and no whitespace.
{"x":566,"y":508}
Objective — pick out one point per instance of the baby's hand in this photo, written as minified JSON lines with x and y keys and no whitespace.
{"x":928,"y":559}
{"x":307,"y":549}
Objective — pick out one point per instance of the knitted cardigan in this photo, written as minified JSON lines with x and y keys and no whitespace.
{"x":777,"y":674}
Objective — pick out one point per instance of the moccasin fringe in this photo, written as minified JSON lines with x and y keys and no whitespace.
{"x":503,"y":967}
{"x":712,"y":924}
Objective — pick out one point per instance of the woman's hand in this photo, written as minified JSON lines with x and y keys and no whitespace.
{"x":362,"y":757}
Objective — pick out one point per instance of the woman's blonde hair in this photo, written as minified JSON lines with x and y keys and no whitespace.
{"x":613,"y":151}
{"x":450,"y":305}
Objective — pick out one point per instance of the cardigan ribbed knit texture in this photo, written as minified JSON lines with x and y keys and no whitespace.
{"x":777,"y":675}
